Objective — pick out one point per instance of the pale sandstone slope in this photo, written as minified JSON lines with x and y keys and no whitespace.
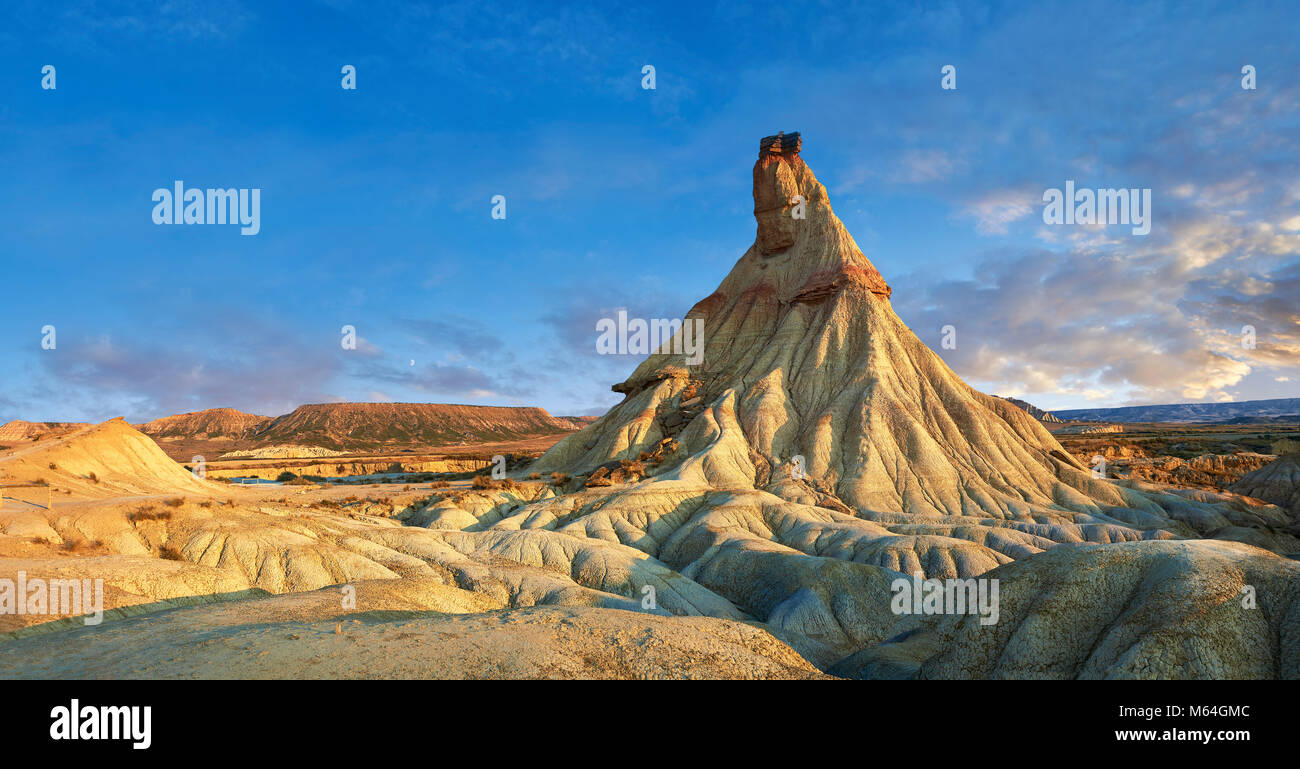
{"x":108,"y":459}
{"x":306,"y":636}
{"x":805,"y":356}
{"x":1198,"y":609}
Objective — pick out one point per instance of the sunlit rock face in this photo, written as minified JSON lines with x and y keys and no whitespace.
{"x":816,"y":454}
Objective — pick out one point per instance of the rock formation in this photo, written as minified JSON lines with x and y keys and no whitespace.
{"x":1032,"y":410}
{"x":351,"y":426}
{"x":206,"y":424}
{"x":108,"y":459}
{"x":817,"y":453}
{"x":1087,"y":429}
{"x":813,"y":392}
{"x":1277,"y":482}
{"x":18,"y":430}
{"x":1135,"y":610}
{"x":282,"y":451}
{"x":1218,"y":472}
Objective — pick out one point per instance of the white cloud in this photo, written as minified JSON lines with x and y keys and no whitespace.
{"x":995,"y":211}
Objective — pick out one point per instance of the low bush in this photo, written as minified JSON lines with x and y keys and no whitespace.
{"x":149,"y":514}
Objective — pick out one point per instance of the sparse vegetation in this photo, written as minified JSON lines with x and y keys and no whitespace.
{"x":174,"y":501}
{"x":486,"y":483}
{"x":149,"y":514}
{"x":169,"y":553}
{"x":77,"y":544}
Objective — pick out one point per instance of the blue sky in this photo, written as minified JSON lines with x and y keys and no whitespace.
{"x":375,"y":207}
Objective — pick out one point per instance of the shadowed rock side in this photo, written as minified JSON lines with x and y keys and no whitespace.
{"x":1032,"y":410}
{"x":1277,"y":482}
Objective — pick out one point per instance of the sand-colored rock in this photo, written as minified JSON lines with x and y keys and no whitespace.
{"x":421,"y":631}
{"x":1277,"y":482}
{"x":108,"y":459}
{"x":206,"y":424}
{"x":1207,"y":471}
{"x":770,"y":493}
{"x":282,"y":451}
{"x":19,"y":430}
{"x":1196,"y":609}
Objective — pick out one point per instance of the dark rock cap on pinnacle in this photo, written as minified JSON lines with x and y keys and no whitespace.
{"x":781,"y":144}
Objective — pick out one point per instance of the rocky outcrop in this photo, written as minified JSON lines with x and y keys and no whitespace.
{"x":355,"y":426}
{"x":1032,"y":410}
{"x":208,"y":424}
{"x":1277,"y":482}
{"x":1135,"y":610}
{"x":282,"y":452}
{"x":18,"y":430}
{"x":1086,"y":429}
{"x":1207,"y":471}
{"x":107,"y":459}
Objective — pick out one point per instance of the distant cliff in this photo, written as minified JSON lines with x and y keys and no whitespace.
{"x":1034,"y":411}
{"x":1190,"y":412}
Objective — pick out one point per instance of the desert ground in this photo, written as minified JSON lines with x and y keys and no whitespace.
{"x":746,"y":516}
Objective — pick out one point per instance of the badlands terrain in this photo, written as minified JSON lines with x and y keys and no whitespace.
{"x":743,"y":517}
